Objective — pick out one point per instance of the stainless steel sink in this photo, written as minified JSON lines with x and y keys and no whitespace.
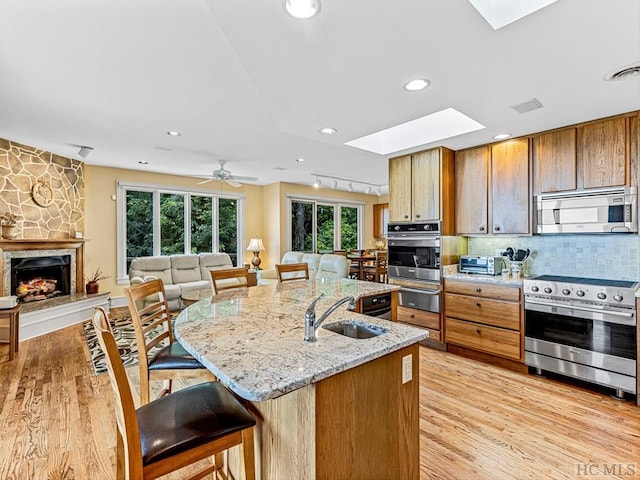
{"x":355,"y":329}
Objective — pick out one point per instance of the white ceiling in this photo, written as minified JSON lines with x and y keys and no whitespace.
{"x":246,"y":83}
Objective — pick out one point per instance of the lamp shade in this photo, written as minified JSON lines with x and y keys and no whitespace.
{"x":256,"y":245}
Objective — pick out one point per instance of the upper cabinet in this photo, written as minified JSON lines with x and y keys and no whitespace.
{"x":554,"y":161}
{"x":591,"y":155}
{"x":420,"y":187}
{"x":380,"y":219}
{"x":602,"y":149}
{"x":492,"y":189}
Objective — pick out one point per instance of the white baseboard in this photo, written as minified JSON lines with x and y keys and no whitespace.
{"x":34,"y":324}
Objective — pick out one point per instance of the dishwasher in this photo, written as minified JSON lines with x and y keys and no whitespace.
{"x":377,"y":306}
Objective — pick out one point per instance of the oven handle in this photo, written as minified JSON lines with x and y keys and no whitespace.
{"x":426,"y":292}
{"x":624,"y":315}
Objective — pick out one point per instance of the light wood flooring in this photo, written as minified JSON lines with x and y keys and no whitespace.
{"x":477,"y":421}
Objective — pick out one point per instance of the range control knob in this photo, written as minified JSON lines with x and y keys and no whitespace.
{"x":396,"y":228}
{"x":617,"y":297}
{"x":534,"y":289}
{"x":547,"y":290}
{"x":580,"y":293}
{"x":566,"y":291}
{"x":601,"y":296}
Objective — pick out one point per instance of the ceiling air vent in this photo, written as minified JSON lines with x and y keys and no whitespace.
{"x":527,"y":106}
{"x":628,"y":71}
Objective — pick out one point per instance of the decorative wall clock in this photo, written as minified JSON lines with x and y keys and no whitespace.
{"x":42,"y":193}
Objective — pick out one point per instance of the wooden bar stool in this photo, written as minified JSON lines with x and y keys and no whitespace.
{"x":176,"y":430}
{"x":13,"y":315}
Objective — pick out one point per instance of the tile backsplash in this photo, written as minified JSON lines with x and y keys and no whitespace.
{"x":610,"y":256}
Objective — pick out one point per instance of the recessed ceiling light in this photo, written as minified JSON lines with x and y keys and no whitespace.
{"x":430,"y":128}
{"x":328,"y":131}
{"x":300,"y":160}
{"x":302,"y":9}
{"x":501,"y":136}
{"x":143,"y":162}
{"x":416,"y":85}
{"x":174,"y":133}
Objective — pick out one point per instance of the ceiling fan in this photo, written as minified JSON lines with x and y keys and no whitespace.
{"x":226,"y":176}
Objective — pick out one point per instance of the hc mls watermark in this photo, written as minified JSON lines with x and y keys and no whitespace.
{"x":618,"y":469}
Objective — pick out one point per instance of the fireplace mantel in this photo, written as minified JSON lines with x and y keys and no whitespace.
{"x":76,"y":244}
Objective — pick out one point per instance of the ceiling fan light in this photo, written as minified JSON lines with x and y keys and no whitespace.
{"x":302,"y":9}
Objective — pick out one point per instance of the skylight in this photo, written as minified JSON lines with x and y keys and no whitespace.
{"x":430,"y":128}
{"x":503,"y":12}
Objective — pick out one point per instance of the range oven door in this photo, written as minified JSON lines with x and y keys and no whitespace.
{"x":592,"y":344}
{"x":414,"y":258}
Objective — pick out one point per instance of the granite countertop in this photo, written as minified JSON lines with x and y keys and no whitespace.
{"x":252,"y":339}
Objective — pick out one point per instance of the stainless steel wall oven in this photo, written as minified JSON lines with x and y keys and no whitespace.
{"x":414,"y":264}
{"x":582,"y":328}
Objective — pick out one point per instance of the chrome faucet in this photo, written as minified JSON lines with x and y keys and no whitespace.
{"x":311,"y":325}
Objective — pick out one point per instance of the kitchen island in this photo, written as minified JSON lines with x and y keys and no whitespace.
{"x":334,"y":408}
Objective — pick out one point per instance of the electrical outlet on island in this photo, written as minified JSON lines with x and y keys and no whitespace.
{"x":407,"y":368}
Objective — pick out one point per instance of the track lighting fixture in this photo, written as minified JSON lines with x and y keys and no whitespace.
{"x":367,"y":187}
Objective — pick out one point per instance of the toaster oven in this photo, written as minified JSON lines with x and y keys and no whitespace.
{"x":482,"y":265}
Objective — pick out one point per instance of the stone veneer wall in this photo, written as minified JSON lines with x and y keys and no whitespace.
{"x":21,"y":167}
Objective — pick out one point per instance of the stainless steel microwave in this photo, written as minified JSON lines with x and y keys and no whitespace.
{"x":606,"y":210}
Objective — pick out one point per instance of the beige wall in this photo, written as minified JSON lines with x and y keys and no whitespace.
{"x":265,"y":209}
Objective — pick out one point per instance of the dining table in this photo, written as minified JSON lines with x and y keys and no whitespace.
{"x":362,"y":259}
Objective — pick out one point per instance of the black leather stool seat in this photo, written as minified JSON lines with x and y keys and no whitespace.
{"x":173,"y":357}
{"x":188,"y":418}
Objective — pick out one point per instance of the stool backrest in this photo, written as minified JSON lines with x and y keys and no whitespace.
{"x":125,"y":407}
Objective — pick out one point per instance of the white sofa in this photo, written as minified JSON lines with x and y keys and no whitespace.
{"x":327,"y":265}
{"x":180,"y":273}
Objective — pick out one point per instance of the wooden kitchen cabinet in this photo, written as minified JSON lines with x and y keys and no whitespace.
{"x":590,"y":155}
{"x":492,"y":189}
{"x":420,"y":188}
{"x":555,"y":161}
{"x":602,"y":151}
{"x":484,"y":317}
{"x":380,"y":219}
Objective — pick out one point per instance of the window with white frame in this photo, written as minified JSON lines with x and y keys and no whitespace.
{"x":324,"y":225}
{"x":154,"y":220}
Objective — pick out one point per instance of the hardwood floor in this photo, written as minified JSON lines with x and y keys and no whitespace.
{"x":477,"y":421}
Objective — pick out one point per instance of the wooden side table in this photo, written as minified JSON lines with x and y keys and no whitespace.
{"x":13,"y":315}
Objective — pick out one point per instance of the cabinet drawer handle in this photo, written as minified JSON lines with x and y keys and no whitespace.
{"x":413,"y":315}
{"x":478,"y":304}
{"x":406,"y":216}
{"x":478,"y":331}
{"x":478,"y":289}
{"x":417,"y":215}
{"x":481,"y":228}
{"x":496,"y":228}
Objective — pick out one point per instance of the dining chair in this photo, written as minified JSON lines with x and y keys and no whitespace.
{"x":152,"y":323}
{"x":175,"y":431}
{"x":228,"y":278}
{"x":295,"y":271}
{"x":377,"y":272}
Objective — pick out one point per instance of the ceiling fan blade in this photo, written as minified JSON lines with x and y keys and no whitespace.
{"x":245,"y":179}
{"x":205,"y":181}
{"x":233,"y":183}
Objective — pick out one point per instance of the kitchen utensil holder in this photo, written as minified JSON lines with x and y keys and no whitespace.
{"x":517,"y":269}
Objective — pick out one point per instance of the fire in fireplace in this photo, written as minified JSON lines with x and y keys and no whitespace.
{"x":39,"y":278}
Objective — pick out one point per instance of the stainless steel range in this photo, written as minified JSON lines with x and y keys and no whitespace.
{"x":582,"y":328}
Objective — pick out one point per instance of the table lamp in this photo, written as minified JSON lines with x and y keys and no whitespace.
{"x":256,"y":246}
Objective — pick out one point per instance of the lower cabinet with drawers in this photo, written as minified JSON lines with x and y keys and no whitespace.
{"x":484,"y":317}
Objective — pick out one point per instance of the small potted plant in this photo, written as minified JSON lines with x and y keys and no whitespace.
{"x":8,"y":224}
{"x":92,"y":285}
